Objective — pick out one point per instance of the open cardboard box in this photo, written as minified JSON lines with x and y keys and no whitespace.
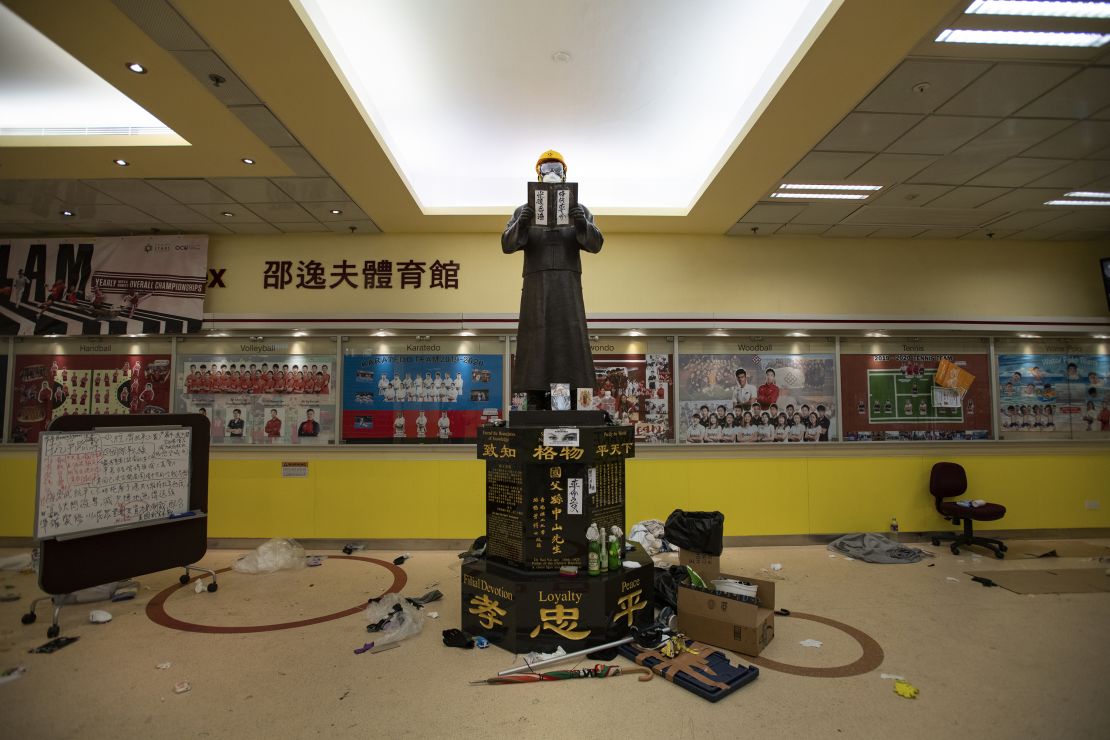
{"x":706,"y":566}
{"x":727,"y":621}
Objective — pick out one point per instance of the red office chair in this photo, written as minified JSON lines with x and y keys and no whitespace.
{"x":948,"y":480}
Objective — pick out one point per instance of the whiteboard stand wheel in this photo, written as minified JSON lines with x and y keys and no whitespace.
{"x":212,"y":587}
{"x":52,"y":631}
{"x":29,"y":618}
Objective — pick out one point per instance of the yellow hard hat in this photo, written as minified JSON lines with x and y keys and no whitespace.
{"x":551,"y":156}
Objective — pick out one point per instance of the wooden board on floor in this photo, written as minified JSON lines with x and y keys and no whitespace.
{"x":1062,"y":548}
{"x":1071,"y":581}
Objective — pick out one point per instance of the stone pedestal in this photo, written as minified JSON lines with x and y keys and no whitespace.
{"x":549,"y":475}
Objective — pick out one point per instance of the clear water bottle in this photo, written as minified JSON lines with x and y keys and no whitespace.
{"x":894,"y":529}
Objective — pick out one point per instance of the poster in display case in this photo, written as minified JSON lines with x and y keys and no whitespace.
{"x":277,"y":390}
{"x":1053,"y":389}
{"x":438,"y":390}
{"x":4,"y":348}
{"x":757,"y":390}
{"x":891,"y":395}
{"x":89,"y":375}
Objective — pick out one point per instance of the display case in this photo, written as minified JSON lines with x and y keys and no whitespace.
{"x":271,"y":390}
{"x":753,"y":390}
{"x":889,"y":393}
{"x":421,"y":390}
{"x":68,"y":376}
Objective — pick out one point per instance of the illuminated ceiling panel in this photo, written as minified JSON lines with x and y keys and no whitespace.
{"x":646,"y":99}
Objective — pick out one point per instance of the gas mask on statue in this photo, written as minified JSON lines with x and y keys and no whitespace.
{"x":553,"y":172}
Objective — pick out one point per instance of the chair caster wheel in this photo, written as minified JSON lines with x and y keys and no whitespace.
{"x":212,"y":587}
{"x":53,"y":631}
{"x":28,"y":618}
{"x":1003,"y":548}
{"x":955,"y":550}
{"x":936,"y":542}
{"x":1000,"y":555}
{"x":183,"y":579}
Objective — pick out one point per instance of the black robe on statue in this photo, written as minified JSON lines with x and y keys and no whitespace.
{"x":552,"y":344}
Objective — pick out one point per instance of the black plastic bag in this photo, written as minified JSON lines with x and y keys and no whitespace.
{"x":699,"y":531}
{"x":667,"y":581}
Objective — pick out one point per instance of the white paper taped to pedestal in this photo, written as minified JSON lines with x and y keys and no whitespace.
{"x":561,"y":437}
{"x":592,"y":473}
{"x":574,"y":495}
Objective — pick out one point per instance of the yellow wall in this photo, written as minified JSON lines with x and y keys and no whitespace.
{"x":348,"y":497}
{"x":676,"y":274}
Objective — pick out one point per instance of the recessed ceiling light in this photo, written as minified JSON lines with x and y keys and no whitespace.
{"x":797,"y":334}
{"x":1100,"y":336}
{"x":67,"y":213}
{"x":335,"y":211}
{"x":382,"y":333}
{"x":1022,"y":38}
{"x":1086,"y":194}
{"x":822,"y":196}
{"x":1077,"y":202}
{"x":300,"y":333}
{"x":875,"y":334}
{"x":795,"y":186}
{"x":560,"y":57}
{"x":227,"y":214}
{"x":633,"y":333}
{"x":1040,"y":8}
{"x":121,"y":162}
{"x":247,"y":160}
{"x":466,"y":333}
{"x":718,"y":333}
{"x":136,"y":68}
{"x":1030,"y":336}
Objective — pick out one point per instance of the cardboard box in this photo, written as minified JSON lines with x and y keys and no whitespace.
{"x":727,"y":621}
{"x":707,"y":566}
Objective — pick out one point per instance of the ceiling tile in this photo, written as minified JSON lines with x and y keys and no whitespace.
{"x":264,"y":125}
{"x":1012,"y":136}
{"x":824,"y":214}
{"x":307,"y":189}
{"x":1078,"y":236}
{"x":240,"y":213}
{"x":300,"y":161}
{"x":957,"y":168}
{"x":752,"y":229}
{"x":1077,"y":97}
{"x":897,"y":93}
{"x":201,"y":228}
{"x":1005,"y":88}
{"x":867,"y":132}
{"x":890,"y":168}
{"x":910,"y":195}
{"x":173,"y":214}
{"x":840,"y":230}
{"x":1036,"y":235}
{"x":1022,"y":198}
{"x":941,"y":134}
{"x":360,"y":227}
{"x":825,"y":167}
{"x":988,"y":234}
{"x":896,"y":232}
{"x":70,"y":192}
{"x":772,"y":213}
{"x":889,"y":216}
{"x":1025,"y":220}
{"x":287,"y":212}
{"x":19,"y":229}
{"x":301,"y":228}
{"x":116,"y":214}
{"x":162,"y":23}
{"x":1075,"y":142}
{"x":942,"y":233}
{"x":250,"y":189}
{"x":192,"y":191}
{"x":232,"y":91}
{"x":133,"y":192}
{"x":802,"y":229}
{"x":1075,"y":176}
{"x":18,"y":212}
{"x":1103,"y":114}
{"x":967,"y":197}
{"x":1095,"y":218}
{"x":1018,"y":171}
{"x":255,"y":228}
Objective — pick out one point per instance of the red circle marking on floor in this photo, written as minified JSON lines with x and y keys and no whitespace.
{"x":156,"y":608}
{"x":871,"y":659}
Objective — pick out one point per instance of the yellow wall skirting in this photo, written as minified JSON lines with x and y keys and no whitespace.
{"x":355,"y":497}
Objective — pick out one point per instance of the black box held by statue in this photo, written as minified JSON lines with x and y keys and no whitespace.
{"x":525,"y":610}
{"x":546,"y":483}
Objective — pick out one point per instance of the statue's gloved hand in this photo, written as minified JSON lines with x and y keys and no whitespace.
{"x":578,"y":215}
{"x":524,"y":220}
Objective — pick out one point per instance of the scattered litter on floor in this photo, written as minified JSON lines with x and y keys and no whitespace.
{"x":352,"y":547}
{"x":393,"y":618}
{"x":457,"y":638}
{"x":985,"y":581}
{"x":776,"y":566}
{"x":481,"y":642}
{"x":99,"y":616}
{"x":831,"y":555}
{"x":433,"y":615}
{"x":431,"y":585}
{"x":181,"y":687}
{"x":530,"y":658}
{"x":932,"y":565}
{"x":313,"y":561}
{"x":272,"y":555}
{"x":954,"y":580}
{"x":163,"y":666}
{"x":400,"y":559}
{"x":10,"y":596}
{"x":12,"y":674}
{"x":199,"y":588}
{"x":889,"y":676}
{"x":905,"y":689}
{"x":126,"y":591}
{"x":54,"y":645}
{"x":421,"y":601}
{"x":20,"y":562}
{"x":366,"y":647}
{"x":383,"y":648}
{"x":811,"y":643}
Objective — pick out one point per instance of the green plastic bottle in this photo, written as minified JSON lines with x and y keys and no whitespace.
{"x":614,"y":554}
{"x":593,"y":558}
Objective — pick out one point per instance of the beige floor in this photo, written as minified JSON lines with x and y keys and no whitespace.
{"x":989,"y":663}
